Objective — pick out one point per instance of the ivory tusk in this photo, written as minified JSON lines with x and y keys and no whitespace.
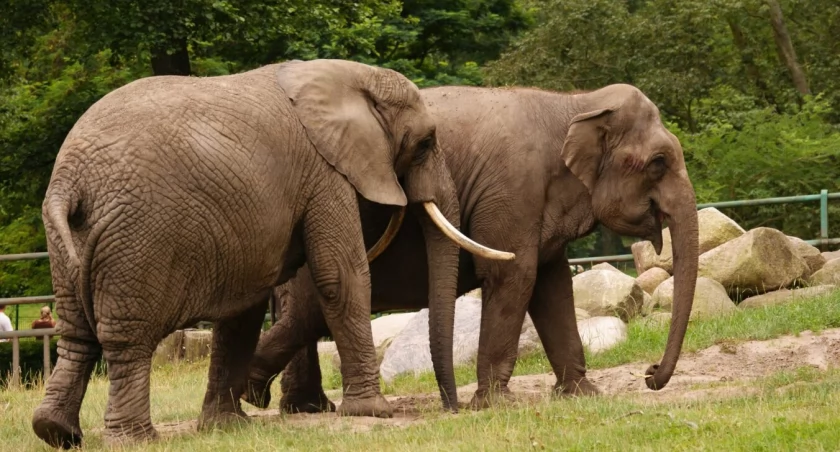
{"x":387,"y":236}
{"x":462,"y":240}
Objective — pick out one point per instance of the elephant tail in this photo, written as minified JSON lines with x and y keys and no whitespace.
{"x":61,"y":203}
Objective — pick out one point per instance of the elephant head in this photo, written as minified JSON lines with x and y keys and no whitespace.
{"x":635,"y":172}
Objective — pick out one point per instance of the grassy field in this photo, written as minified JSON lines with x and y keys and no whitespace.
{"x":791,"y":410}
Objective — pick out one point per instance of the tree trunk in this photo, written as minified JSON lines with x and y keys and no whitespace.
{"x":748,"y":60}
{"x":176,"y":63}
{"x":784,"y":47}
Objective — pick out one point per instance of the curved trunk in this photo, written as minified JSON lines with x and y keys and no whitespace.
{"x":432,"y":182}
{"x":682,"y":219}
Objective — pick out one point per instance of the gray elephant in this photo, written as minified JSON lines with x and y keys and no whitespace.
{"x":533,"y":170}
{"x":178,"y":199}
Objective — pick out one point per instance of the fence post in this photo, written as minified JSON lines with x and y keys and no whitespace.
{"x":46,"y":369}
{"x":15,"y":362}
{"x":824,"y":216}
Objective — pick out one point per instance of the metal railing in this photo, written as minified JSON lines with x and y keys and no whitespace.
{"x":15,"y":336}
{"x":823,"y":240}
{"x":823,"y":197}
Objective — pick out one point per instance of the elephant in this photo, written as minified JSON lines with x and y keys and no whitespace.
{"x":179,"y":199}
{"x":533,"y":170}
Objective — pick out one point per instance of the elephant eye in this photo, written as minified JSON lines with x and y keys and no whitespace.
{"x":656,"y":168}
{"x":423,"y":148}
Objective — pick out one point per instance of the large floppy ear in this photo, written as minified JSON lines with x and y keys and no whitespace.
{"x":337,"y":108}
{"x":584,"y":146}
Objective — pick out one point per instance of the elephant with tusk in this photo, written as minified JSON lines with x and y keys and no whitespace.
{"x":533,"y":170}
{"x":180,"y":199}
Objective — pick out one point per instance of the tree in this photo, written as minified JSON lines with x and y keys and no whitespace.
{"x":785,"y":47}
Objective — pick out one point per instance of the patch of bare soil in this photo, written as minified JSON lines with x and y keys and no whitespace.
{"x":720,"y":371}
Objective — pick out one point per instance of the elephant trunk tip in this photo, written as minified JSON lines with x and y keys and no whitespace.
{"x":654,"y":379}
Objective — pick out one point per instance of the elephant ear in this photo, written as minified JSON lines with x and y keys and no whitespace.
{"x":584,"y":146}
{"x":338,"y":112}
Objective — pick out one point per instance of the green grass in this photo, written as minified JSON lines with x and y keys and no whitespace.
{"x":791,"y":410}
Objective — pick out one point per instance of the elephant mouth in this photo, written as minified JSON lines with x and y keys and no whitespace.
{"x":659,"y":218}
{"x":445,"y":226}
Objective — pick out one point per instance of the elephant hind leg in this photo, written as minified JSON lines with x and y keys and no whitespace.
{"x":234,"y":341}
{"x":56,"y":420}
{"x":552,"y":310}
{"x":127,"y":417}
{"x":301,"y":384}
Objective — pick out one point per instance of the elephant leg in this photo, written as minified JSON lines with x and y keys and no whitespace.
{"x":234,"y":341}
{"x":301,"y":384}
{"x":552,"y":310}
{"x":127,"y":417}
{"x":300,"y":322}
{"x":505,"y":301}
{"x":56,"y":420}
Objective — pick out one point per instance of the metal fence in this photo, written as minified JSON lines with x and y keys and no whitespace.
{"x":823,"y":197}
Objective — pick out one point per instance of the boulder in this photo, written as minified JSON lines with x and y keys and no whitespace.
{"x":602,"y":333}
{"x":652,"y":278}
{"x":657,"y":319}
{"x":759,"y":261}
{"x":647,"y":304}
{"x":645,"y":257}
{"x":608,"y":293}
{"x":811,"y":255}
{"x":581,"y":314}
{"x":831,"y":255}
{"x":714,"y":229}
{"x":197,"y":344}
{"x":409,"y":350}
{"x":606,"y":266}
{"x":710,"y":298}
{"x":786,"y":296}
{"x":828,"y":274}
{"x":388,"y":326}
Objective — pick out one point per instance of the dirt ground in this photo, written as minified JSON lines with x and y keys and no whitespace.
{"x":728,"y":366}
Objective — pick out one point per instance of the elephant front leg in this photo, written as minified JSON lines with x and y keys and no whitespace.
{"x":234,"y":341}
{"x":505,"y":299}
{"x":301,"y":384}
{"x":552,"y":310}
{"x":337,"y":259}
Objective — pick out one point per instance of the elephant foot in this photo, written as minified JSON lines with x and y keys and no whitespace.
{"x":258,"y":393}
{"x":306,"y":403}
{"x":484,"y":398}
{"x":130,"y":435}
{"x":375,"y":406}
{"x":576,"y":388}
{"x":209,"y":419}
{"x":55,"y":429}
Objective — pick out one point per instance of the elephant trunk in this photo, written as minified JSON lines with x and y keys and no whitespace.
{"x":681,"y":212}
{"x":431,"y":183}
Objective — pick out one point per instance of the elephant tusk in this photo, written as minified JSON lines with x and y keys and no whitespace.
{"x":388,"y":235}
{"x":462,"y":240}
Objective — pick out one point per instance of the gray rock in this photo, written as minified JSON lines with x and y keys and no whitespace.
{"x":828,"y":274}
{"x":831,"y":255}
{"x":710,"y":298}
{"x":409,"y":350}
{"x":608,"y":293}
{"x":602,"y":333}
{"x":388,"y":326}
{"x":606,"y":266}
{"x":811,"y":255}
{"x":714,"y":229}
{"x":759,"y":261}
{"x":651,"y":279}
{"x":581,"y":314}
{"x":786,"y":296}
{"x":647,"y":304}
{"x":657,"y":319}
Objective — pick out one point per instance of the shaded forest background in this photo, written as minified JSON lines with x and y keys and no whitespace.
{"x":752,"y":87}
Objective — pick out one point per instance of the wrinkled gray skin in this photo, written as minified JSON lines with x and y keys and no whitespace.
{"x":179,"y":199}
{"x":534,"y":170}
